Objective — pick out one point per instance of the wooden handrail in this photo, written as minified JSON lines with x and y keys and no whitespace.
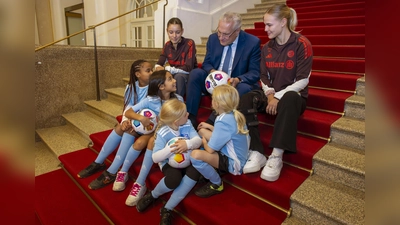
{"x":92,"y":27}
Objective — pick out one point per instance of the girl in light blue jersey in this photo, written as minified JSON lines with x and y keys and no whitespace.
{"x":226,"y":144}
{"x":135,"y":91}
{"x":162,"y":87}
{"x":173,"y":123}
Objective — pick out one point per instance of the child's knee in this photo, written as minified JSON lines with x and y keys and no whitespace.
{"x":118,"y":129}
{"x":195,"y":154}
{"x":139,"y":144}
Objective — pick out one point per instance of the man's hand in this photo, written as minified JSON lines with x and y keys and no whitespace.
{"x":234,"y":81}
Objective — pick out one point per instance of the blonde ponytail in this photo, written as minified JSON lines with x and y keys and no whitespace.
{"x":227,"y":98}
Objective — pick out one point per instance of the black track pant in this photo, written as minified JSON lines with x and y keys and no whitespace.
{"x":290,"y":107}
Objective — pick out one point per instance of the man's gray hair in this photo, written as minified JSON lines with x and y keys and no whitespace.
{"x":232,"y":16}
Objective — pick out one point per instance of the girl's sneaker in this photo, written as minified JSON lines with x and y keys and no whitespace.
{"x":91,"y":169}
{"x":103,"y":180}
{"x":166,"y":216}
{"x":136,"y":194}
{"x":119,"y":183}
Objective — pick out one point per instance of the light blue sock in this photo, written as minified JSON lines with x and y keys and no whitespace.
{"x":130,"y":158}
{"x":180,"y":192}
{"x":146,"y":166}
{"x":207,"y":171}
{"x":160,"y":189}
{"x":109,"y":146}
{"x":126,"y":144}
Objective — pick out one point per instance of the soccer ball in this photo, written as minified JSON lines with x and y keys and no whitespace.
{"x":215,"y":79}
{"x":180,"y":160}
{"x":138,"y":126}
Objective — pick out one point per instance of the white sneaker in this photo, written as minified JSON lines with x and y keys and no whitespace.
{"x":273,"y":168}
{"x":136,"y":194}
{"x":119,"y":183}
{"x":255,"y":162}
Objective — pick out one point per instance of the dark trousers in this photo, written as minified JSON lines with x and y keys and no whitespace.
{"x":181,"y":80}
{"x":290,"y":107}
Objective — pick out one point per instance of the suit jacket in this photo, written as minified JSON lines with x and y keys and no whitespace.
{"x":246,"y":64}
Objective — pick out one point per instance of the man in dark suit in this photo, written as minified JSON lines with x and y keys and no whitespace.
{"x":243,"y":65}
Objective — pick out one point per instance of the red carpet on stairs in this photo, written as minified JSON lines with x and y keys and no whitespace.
{"x":112,"y":203}
{"x":58,"y":200}
{"x":336,"y":29}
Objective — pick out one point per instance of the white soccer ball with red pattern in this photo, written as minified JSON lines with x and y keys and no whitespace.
{"x":180,"y":160}
{"x":138,"y":126}
{"x":215,"y":79}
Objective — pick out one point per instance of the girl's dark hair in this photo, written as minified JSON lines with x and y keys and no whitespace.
{"x":156,"y":80}
{"x":132,"y":80}
{"x":175,"y":20}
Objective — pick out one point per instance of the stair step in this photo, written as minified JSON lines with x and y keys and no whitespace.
{"x":51,"y":208}
{"x":293,"y":220}
{"x":45,"y":160}
{"x":335,"y":20}
{"x":88,"y":123}
{"x":349,"y":132}
{"x":116,"y":95}
{"x":57,"y":137}
{"x":259,"y":10}
{"x":297,"y":4}
{"x":327,"y":99}
{"x":331,"y":80}
{"x":341,"y":164}
{"x":107,"y":110}
{"x":355,"y":107}
{"x":360,"y":87}
{"x":327,"y":202}
{"x":318,"y":30}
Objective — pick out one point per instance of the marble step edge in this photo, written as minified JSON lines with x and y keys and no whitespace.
{"x":321,"y":201}
{"x":105,"y":109}
{"x":45,"y":159}
{"x":355,"y":107}
{"x":62,"y":139}
{"x":341,"y":164}
{"x":360,"y":86}
{"x":349,"y":132}
{"x":87,"y":123}
{"x":116,"y":95}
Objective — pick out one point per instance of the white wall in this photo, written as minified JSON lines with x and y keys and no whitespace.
{"x":36,"y":32}
{"x":98,"y":11}
{"x":199,"y":17}
{"x":58,"y":14}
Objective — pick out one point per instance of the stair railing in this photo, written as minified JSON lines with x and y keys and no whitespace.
{"x":93,"y":27}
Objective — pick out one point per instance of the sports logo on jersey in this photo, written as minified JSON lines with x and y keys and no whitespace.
{"x":289,"y":64}
{"x":269,"y":56}
{"x":290,"y":53}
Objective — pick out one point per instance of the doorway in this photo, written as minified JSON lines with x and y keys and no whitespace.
{"x":74,"y":21}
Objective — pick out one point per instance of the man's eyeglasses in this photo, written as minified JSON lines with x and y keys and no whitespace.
{"x":225,"y":35}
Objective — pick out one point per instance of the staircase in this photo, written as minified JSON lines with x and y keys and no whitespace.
{"x":324,"y":183}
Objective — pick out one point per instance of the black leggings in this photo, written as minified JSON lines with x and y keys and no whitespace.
{"x":173,"y":176}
